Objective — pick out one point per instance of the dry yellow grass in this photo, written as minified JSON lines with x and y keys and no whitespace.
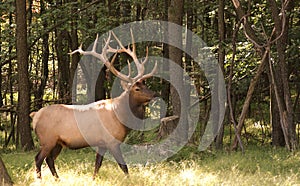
{"x":258,"y":166}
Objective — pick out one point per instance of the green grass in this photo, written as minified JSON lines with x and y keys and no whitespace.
{"x":262,"y":165}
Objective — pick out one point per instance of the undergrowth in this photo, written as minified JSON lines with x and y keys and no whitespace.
{"x":263,"y":165}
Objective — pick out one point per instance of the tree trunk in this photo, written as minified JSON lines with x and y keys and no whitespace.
{"x":231,"y":96}
{"x":23,"y":125}
{"x":4,"y":176}
{"x":286,"y":107}
{"x":63,"y":67}
{"x":251,"y":34}
{"x":74,"y":62}
{"x":125,"y":11}
{"x":246,"y":104}
{"x":45,"y":71}
{"x":277,"y":133}
{"x":175,"y":54}
{"x":221,"y":59}
{"x":188,"y":49}
{"x":165,"y":91}
{"x":73,"y":40}
{"x":114,"y":11}
{"x":100,"y":91}
{"x":167,"y":126}
{"x":11,"y":90}
{"x":1,"y":98}
{"x":175,"y":14}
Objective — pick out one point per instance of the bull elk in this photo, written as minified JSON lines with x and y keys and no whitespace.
{"x":102,"y":123}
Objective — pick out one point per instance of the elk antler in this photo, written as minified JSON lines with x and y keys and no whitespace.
{"x":132,"y":53}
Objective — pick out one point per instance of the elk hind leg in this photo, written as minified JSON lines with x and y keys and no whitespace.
{"x":51,"y":157}
{"x":39,"y":158}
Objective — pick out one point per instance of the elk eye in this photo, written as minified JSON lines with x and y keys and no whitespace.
{"x":137,"y":89}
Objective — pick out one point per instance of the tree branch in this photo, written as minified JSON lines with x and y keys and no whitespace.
{"x":49,"y":30}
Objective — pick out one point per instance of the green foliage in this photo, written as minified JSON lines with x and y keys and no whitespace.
{"x":87,"y":20}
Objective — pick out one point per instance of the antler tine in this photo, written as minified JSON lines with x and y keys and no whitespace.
{"x":79,"y":50}
{"x":110,"y":65}
{"x":146,"y":58}
{"x":108,"y":49}
{"x":151,"y":73}
{"x":103,"y":57}
{"x":129,"y":69}
{"x":132,"y":41}
{"x":95,"y":44}
{"x":106,"y":45}
{"x":119,"y":42}
{"x":113,"y":59}
{"x":92,"y":52}
{"x":132,"y":54}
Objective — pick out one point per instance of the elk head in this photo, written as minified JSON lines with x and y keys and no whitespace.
{"x":138,"y":93}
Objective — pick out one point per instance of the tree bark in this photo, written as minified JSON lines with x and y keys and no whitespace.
{"x":5,"y":179}
{"x":188,"y":50}
{"x":247,"y":101}
{"x":100,"y":89}
{"x":23,"y":125}
{"x":287,"y":113}
{"x":175,"y":14}
{"x":277,"y":133}
{"x":64,"y":89}
{"x":251,"y":35}
{"x":284,"y":103}
{"x":45,"y":71}
{"x":74,"y":44}
{"x":165,"y":91}
{"x":221,"y":59}
{"x":1,"y":98}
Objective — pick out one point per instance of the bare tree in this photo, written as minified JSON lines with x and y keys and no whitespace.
{"x":280,"y":75}
{"x":284,"y":103}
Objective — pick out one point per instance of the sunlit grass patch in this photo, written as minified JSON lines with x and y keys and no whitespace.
{"x":259,"y":166}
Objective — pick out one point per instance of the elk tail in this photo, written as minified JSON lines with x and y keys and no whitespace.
{"x":32,"y":114}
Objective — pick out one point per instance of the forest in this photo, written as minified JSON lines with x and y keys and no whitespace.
{"x":255,"y":45}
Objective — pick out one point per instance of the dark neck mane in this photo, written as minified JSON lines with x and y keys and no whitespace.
{"x":128,"y":112}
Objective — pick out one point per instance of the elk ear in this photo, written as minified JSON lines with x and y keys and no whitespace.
{"x":141,"y":81}
{"x":125,"y":85}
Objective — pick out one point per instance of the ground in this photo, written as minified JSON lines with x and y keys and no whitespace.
{"x":263,"y":165}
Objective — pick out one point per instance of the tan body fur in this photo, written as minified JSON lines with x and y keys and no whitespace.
{"x":63,"y":118}
{"x":99,"y":124}
{"x":103,"y":124}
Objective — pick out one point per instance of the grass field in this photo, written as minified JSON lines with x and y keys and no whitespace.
{"x":262,"y":165}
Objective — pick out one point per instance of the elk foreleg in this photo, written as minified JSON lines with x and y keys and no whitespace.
{"x":116,"y":152}
{"x":99,"y":159}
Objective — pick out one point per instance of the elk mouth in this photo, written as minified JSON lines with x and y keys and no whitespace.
{"x":146,"y":103}
{"x":154,"y":98}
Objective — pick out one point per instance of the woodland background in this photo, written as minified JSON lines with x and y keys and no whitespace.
{"x":255,"y":42}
